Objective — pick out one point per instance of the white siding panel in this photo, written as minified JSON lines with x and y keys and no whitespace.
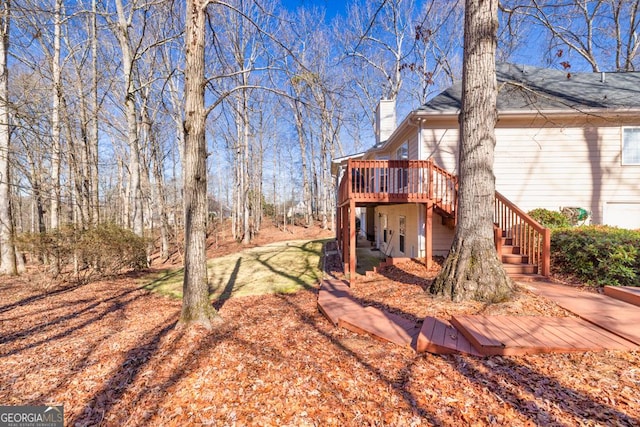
{"x":551,"y":167}
{"x":413,"y":147}
{"x":558,"y":167}
{"x":442,"y":237}
{"x":441,"y":145}
{"x":623,"y":215}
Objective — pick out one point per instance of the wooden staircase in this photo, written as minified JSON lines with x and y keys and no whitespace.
{"x":523,"y":244}
{"x":515,"y":263}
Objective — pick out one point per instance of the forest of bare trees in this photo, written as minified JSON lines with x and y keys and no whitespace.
{"x":95,"y":116}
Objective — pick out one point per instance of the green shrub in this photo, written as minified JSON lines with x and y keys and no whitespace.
{"x":549,"y":219}
{"x":597,"y":255}
{"x":83,"y":255}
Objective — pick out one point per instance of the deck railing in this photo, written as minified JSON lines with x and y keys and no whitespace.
{"x":533,"y":239}
{"x":398,"y":180}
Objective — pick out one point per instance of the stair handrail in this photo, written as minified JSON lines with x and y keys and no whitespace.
{"x":533,"y":238}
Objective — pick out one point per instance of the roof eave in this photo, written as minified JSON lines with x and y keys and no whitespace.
{"x":406,"y":123}
{"x":599,"y":112}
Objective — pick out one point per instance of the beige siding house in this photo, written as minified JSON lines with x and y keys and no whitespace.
{"x":563,"y":140}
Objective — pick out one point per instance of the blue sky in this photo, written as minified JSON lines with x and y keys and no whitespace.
{"x":332,"y":7}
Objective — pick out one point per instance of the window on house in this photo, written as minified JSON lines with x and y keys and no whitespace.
{"x":402,"y":229}
{"x":402,"y":153}
{"x":631,"y":146}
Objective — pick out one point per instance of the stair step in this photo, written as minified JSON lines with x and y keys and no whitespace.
{"x":514,"y":259}
{"x":521,"y":268}
{"x":529,"y":277}
{"x":510,"y":249}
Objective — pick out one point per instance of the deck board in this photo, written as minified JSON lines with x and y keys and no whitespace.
{"x":618,"y":317}
{"x":518,"y":335}
{"x":605,"y":323}
{"x":479,"y":334}
{"x":624,"y":293}
{"x":440,"y":337}
{"x":334,"y":306}
{"x":335,"y":300}
{"x":557,"y":336}
{"x":381,"y":325}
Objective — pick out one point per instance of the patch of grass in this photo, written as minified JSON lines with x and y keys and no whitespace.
{"x":276,"y":268}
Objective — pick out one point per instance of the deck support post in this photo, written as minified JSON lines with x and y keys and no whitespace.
{"x":345,"y":237}
{"x":352,"y":240}
{"x":428,"y":235}
{"x":546,"y":252}
{"x":339,"y":226}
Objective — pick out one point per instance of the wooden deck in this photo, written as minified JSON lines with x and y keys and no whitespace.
{"x":518,"y":335}
{"x":440,"y":337}
{"x":624,"y":293}
{"x":605,"y":323}
{"x":382,"y":325}
{"x":614,"y":315}
{"x":337,"y":304}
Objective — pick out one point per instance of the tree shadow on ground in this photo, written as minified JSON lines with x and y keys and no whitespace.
{"x":534,"y":394}
{"x":135,"y":390}
{"x":96,"y":310}
{"x":227,"y":292}
{"x":40,"y":296}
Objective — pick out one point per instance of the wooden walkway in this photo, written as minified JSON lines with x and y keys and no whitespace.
{"x":337,"y":304}
{"x":518,"y":335}
{"x":624,"y":293}
{"x":605,"y":323}
{"x":608,"y":312}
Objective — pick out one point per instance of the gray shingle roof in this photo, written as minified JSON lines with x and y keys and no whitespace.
{"x":527,"y":88}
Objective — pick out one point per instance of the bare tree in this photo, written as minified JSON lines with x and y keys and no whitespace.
{"x":603,"y":33}
{"x":378,"y":40}
{"x":472,"y":270}
{"x":7,"y":248}
{"x":196,"y":307}
{"x":56,"y":149}
{"x":127,"y":48}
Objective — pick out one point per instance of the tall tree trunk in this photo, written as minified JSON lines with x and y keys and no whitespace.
{"x":77,"y":174}
{"x":472,"y":269}
{"x":161,"y":199}
{"x":135,"y":186}
{"x":306,"y":191}
{"x":246,"y":229}
{"x":7,"y":248}
{"x":93,"y":135}
{"x":176,"y":105}
{"x":196,"y":307}
{"x":55,"y":122}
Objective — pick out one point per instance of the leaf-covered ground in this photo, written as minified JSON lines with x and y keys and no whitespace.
{"x":111,"y":353}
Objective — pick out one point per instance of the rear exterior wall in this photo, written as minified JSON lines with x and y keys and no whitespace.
{"x":546,"y":165}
